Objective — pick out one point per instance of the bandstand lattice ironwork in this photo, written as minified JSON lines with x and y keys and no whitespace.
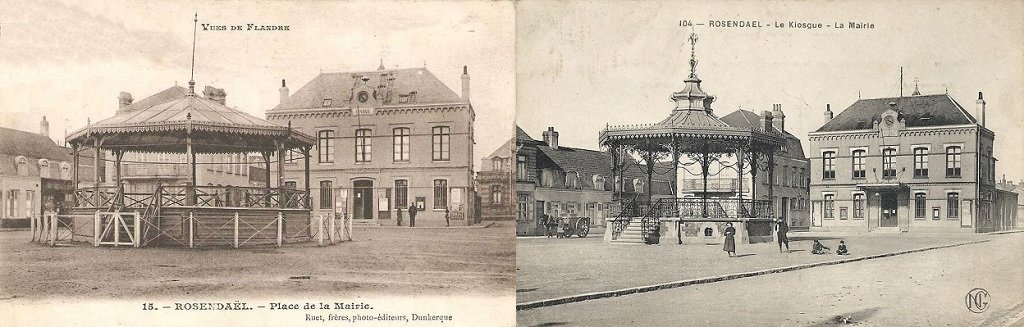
{"x":692,"y":133}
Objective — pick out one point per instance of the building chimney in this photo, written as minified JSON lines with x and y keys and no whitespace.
{"x":44,"y":127}
{"x":215,"y":94}
{"x":123,"y":100}
{"x":828,"y":113}
{"x":981,"y":109}
{"x":283,"y":91}
{"x":465,"y":83}
{"x":766,"y":120}
{"x":780,"y":118}
{"x":551,"y":138}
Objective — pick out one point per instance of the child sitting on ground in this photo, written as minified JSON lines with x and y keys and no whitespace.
{"x":842,"y":249}
{"x":818,"y":248}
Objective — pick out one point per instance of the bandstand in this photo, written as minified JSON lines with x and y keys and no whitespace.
{"x":187,"y":214}
{"x":696,"y":141}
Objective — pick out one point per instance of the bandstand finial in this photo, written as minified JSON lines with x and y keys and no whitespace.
{"x":192,"y":77}
{"x":693,"y":54}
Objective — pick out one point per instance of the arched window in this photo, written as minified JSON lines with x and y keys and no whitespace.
{"x":598,"y":182}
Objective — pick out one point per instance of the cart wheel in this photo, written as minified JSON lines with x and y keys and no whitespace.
{"x":582,"y":228}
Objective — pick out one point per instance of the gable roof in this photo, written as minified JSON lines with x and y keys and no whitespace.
{"x":338,"y":88}
{"x":917,"y":111}
{"x":30,"y":145}
{"x":522,"y":136}
{"x":749,"y":120}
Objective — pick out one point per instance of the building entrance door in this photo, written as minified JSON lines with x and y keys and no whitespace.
{"x":539,"y":214}
{"x":889,"y":206}
{"x":362,"y":200}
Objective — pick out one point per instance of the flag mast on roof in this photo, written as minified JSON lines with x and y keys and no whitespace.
{"x":192,"y":76}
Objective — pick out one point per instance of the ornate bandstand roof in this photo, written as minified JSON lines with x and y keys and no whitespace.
{"x":690,"y":124}
{"x":165,"y":126}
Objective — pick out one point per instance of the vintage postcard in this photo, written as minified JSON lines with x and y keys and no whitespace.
{"x":276,"y":163}
{"x":756,"y":163}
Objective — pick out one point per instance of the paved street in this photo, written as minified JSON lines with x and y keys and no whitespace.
{"x":918,"y":289}
{"x":380,"y":261}
{"x":549,"y":268}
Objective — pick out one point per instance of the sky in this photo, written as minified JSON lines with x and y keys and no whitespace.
{"x":582,"y":65}
{"x":69,"y":60}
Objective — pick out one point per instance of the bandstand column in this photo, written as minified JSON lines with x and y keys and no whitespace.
{"x":675,"y":189}
{"x":613,"y":150}
{"x":118,"y":155}
{"x":190,"y":158}
{"x":74,"y":173}
{"x":704,"y":166}
{"x":309,"y":196}
{"x":266,"y":176}
{"x":650,"y":177}
{"x":282,"y":200}
{"x":96,"y":171}
{"x":739,"y":170}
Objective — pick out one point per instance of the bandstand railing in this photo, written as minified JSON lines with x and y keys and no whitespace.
{"x":703,"y":210}
{"x":198,"y":196}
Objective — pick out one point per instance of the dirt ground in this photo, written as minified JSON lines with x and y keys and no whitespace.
{"x":918,"y":289}
{"x":391,"y":261}
{"x":549,"y":267}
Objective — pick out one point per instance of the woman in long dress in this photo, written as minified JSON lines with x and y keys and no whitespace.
{"x":730,"y":240}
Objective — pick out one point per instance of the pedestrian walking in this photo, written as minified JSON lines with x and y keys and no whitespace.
{"x":447,"y":217}
{"x":412,"y":215}
{"x":544,"y":224}
{"x":730,"y":240}
{"x":783,"y":239}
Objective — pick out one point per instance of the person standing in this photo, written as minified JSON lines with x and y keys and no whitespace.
{"x":399,"y":216}
{"x":412,"y":215}
{"x":783,"y":239}
{"x":730,"y":240}
{"x":447,"y":217}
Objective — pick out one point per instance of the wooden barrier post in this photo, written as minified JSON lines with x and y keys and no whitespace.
{"x":96,"y":229}
{"x":33,"y":226}
{"x":191,"y":237}
{"x":280,"y":221}
{"x":332,"y":228}
{"x":320,"y":230}
{"x":137,"y":231}
{"x":236,"y":229}
{"x":117,"y":228}
{"x":53,"y":228}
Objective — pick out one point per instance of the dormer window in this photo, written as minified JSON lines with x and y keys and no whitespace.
{"x":21,"y":164}
{"x":638,"y":186}
{"x":598,"y":183}
{"x":571,"y":180}
{"x":327,"y":103}
{"x":44,"y":168}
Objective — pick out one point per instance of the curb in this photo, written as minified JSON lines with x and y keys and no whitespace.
{"x":706,"y":280}
{"x":482,"y":225}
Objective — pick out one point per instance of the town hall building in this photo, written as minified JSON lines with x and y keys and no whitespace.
{"x":920,"y":163}
{"x":387,"y":139}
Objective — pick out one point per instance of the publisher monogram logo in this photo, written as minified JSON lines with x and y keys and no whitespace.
{"x":977,"y":300}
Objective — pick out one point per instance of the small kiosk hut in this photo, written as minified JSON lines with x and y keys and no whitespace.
{"x":190,"y":214}
{"x":692,"y":133}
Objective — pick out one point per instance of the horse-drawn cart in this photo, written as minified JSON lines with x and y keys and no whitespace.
{"x":566,"y":227}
